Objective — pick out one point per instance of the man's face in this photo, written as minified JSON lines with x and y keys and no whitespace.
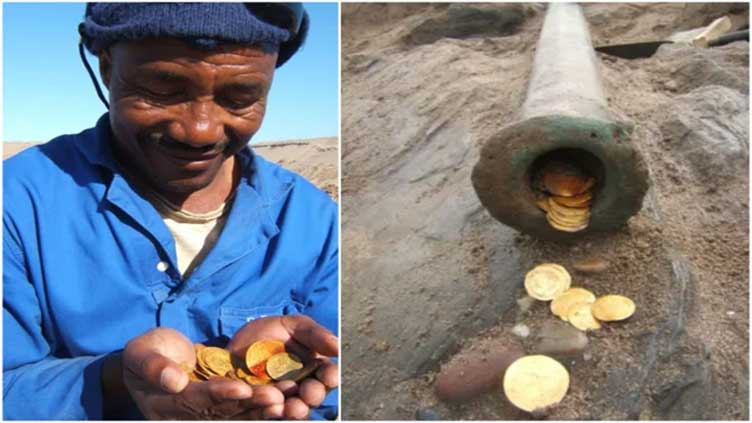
{"x":178,"y":113}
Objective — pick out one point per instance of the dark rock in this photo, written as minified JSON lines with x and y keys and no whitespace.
{"x":475,"y":374}
{"x":465,"y":20}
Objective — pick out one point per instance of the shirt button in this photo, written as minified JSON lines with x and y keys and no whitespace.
{"x":162,"y":266}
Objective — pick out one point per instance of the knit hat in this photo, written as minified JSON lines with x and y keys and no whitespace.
{"x":278,"y":27}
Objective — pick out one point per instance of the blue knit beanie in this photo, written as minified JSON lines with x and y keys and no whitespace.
{"x":202,"y":24}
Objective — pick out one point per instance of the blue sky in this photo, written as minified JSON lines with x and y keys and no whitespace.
{"x":46,"y":91}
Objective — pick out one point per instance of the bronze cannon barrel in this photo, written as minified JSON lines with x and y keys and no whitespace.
{"x":564,"y":118}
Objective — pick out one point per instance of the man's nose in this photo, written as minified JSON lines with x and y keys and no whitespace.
{"x":200,"y":125}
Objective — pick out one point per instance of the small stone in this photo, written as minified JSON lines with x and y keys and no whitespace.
{"x":521,"y":330}
{"x":587,"y":356}
{"x":730,"y":313}
{"x":426,"y":414}
{"x":560,"y":339}
{"x":525,"y":303}
{"x":477,"y":373}
{"x":671,"y":85}
{"x":592,"y":265}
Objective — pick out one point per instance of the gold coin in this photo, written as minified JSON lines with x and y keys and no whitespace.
{"x":543,"y":204}
{"x":283,"y":366}
{"x":258,"y":353}
{"x":611,"y":308}
{"x":186,"y":367}
{"x":256,"y":381}
{"x":581,"y":317}
{"x":579,"y":201}
{"x":545,"y":282}
{"x":565,"y":227}
{"x":568,"y":222}
{"x":535,"y":381}
{"x":560,"y":305}
{"x":214,"y":360}
{"x":567,"y":213}
{"x":565,"y":180}
{"x":193,"y":377}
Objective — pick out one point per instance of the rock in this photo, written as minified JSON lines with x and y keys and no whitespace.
{"x":426,"y":414}
{"x":560,"y":339}
{"x":709,"y":129}
{"x":477,"y":373}
{"x":521,"y":330}
{"x":465,"y":20}
{"x":592,"y":265}
{"x":525,"y":303}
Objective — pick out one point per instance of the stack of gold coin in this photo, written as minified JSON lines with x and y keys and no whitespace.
{"x":264,"y":362}
{"x":565,"y":195}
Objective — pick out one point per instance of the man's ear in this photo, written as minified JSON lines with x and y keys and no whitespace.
{"x":105,"y":67}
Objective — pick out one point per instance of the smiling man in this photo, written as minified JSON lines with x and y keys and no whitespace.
{"x":158,"y":228}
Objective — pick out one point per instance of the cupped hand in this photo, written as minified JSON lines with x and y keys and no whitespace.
{"x":308,"y":340}
{"x":163,"y":391}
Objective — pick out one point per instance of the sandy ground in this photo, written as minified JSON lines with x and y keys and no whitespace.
{"x":429,"y":276}
{"x":317,"y":159}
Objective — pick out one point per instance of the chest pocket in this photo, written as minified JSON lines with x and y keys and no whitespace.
{"x":231,"y":319}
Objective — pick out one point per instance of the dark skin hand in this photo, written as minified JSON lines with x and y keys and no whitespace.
{"x":150,"y":375}
{"x":309,"y":341}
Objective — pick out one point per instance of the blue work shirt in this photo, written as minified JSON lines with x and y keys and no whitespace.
{"x":89,"y":264}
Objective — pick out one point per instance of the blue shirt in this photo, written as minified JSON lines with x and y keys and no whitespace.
{"x":82,"y":274}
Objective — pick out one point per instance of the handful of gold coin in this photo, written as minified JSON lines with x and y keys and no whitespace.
{"x":264,"y":362}
{"x":578,"y":306}
{"x":565,"y":195}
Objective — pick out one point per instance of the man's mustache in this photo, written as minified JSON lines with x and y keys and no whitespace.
{"x":171,"y":143}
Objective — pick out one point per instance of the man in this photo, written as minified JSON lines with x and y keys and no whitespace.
{"x":127,"y":243}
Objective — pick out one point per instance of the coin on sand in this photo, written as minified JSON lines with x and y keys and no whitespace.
{"x":547,"y":281}
{"x":581,"y":317}
{"x":283,"y":366}
{"x":611,"y":308}
{"x":535,"y":381}
{"x":560,"y":305}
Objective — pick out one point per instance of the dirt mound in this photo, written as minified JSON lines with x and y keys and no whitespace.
{"x":428,"y":275}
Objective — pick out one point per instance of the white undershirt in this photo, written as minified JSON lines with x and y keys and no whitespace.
{"x":195,"y":234}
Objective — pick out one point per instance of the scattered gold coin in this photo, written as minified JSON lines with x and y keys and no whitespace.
{"x":547,"y":281}
{"x":611,"y":308}
{"x":581,"y":317}
{"x":535,"y":381}
{"x":560,"y":305}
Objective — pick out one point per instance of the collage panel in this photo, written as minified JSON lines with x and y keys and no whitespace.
{"x":178,"y":259}
{"x":545,"y":211}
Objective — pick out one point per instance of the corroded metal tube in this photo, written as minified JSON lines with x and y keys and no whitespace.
{"x":565,"y":115}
